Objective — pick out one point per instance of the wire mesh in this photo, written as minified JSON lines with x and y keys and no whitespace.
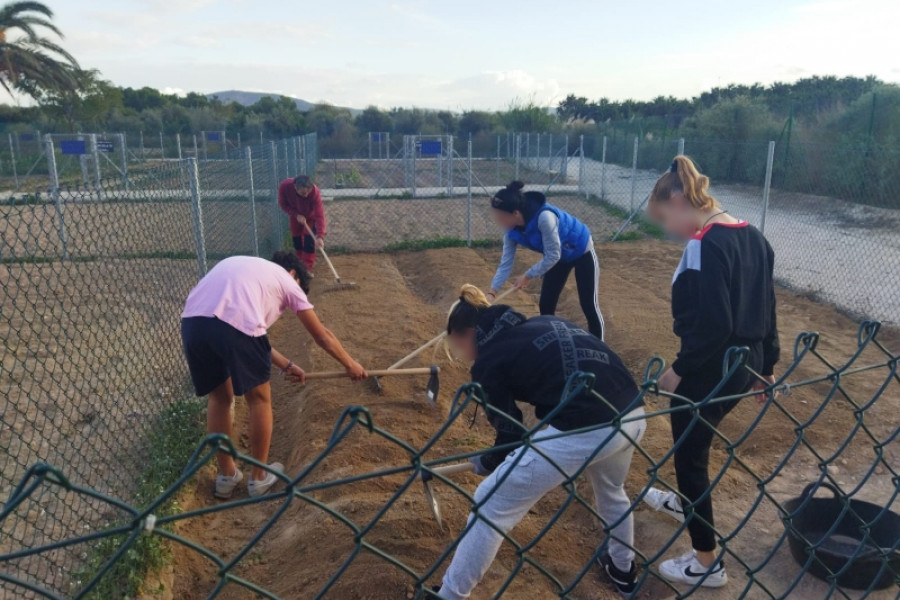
{"x":755,"y":547}
{"x":94,"y":269}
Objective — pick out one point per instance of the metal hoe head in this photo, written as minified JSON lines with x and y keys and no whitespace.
{"x":339,"y":285}
{"x":432,"y":500}
{"x":434,"y":386}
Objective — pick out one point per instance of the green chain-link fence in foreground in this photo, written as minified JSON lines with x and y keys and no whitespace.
{"x":94,"y":278}
{"x":43,"y":483}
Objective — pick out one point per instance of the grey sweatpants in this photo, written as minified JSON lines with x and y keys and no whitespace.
{"x":531,"y":478}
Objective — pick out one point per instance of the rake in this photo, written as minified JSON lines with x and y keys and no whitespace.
{"x":338,"y":284}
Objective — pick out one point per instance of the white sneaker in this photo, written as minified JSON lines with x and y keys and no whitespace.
{"x":665,"y":502}
{"x":225,"y":485}
{"x":258,"y":488}
{"x":687,"y":569}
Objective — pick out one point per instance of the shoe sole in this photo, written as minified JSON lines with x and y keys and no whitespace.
{"x":705,"y":583}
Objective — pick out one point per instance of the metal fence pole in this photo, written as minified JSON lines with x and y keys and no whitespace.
{"x":239,"y":143}
{"x":414,"y":166}
{"x":549,"y":152}
{"x":634,"y":171}
{"x":306,"y":156}
{"x":680,"y":146}
{"x":197,"y":214}
{"x":57,"y":198}
{"x":287,"y":161}
{"x":469,"y":193}
{"x":564,"y":165}
{"x":498,"y":160}
{"x":450,"y":168}
{"x":122,"y":142}
{"x":767,"y":186}
{"x":518,"y":152}
{"x":12,"y":152}
{"x":581,"y":185}
{"x":196,"y":151}
{"x":603,"y":171}
{"x":252,"y":192}
{"x":178,"y":145}
{"x":162,"y":146}
{"x":276,"y":222}
{"x":370,"y":145}
{"x":205,"y":146}
{"x":82,"y":161}
{"x":224,"y":142}
{"x":95,"y":155}
{"x":143,"y":154}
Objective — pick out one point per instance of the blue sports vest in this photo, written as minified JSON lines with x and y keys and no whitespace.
{"x":573,"y":234}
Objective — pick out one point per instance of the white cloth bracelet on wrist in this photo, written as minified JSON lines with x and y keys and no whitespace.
{"x":287,"y":367}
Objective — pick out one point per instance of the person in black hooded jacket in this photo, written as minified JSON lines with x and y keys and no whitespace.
{"x":531,"y":360}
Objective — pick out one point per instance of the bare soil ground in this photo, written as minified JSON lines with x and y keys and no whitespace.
{"x":401,"y":303}
{"x":375,"y":224}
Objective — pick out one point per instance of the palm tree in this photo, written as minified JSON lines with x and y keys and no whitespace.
{"x":30,"y":62}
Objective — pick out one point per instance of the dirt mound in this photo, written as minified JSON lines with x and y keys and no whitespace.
{"x":401,"y":302}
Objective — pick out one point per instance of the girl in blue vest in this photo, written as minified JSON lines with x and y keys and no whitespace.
{"x":565,"y":245}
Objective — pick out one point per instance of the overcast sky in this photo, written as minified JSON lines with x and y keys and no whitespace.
{"x":461,"y":54}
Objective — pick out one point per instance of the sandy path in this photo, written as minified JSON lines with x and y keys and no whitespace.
{"x":845,"y":254}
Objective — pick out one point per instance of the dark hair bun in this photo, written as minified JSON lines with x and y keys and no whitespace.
{"x":516,"y":186}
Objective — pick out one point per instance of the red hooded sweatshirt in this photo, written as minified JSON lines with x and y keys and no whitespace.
{"x":309,"y":206}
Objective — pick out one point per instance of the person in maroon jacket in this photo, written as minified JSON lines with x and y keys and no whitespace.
{"x":302,"y":202}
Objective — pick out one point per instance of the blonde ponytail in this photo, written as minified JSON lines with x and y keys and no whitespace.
{"x":465,"y":312}
{"x":473,"y":295}
{"x":684,"y":178}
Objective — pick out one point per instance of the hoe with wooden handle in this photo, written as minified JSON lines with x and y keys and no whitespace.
{"x":432,"y":500}
{"x":436,"y":339}
{"x":338,"y":285}
{"x":431,"y":392}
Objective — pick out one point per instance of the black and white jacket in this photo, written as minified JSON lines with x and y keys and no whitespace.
{"x":530,"y":360}
{"x":723,"y":295}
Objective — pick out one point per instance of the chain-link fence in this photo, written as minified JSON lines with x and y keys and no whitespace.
{"x":777,"y":533}
{"x":92,"y":274}
{"x":95,"y":268}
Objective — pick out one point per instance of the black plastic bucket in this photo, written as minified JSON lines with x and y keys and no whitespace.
{"x":822,"y":527}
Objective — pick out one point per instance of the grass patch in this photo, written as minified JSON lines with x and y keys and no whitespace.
{"x":169,"y":446}
{"x":437,"y":243}
{"x":640,"y":222}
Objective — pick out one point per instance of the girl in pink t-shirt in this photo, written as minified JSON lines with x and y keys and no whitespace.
{"x":224,"y":331}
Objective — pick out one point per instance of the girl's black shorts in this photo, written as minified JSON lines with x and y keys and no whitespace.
{"x":216,"y":351}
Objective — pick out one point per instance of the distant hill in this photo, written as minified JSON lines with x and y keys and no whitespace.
{"x":248,"y":98}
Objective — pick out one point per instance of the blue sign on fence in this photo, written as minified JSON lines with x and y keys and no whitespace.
{"x":73,"y":147}
{"x":430,"y":148}
{"x":213,"y":136}
{"x":26,"y":137}
{"x":105,"y":146}
{"x":376,"y":137}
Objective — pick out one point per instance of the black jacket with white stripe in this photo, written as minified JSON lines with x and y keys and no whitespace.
{"x":531,"y":360}
{"x":723,"y":295}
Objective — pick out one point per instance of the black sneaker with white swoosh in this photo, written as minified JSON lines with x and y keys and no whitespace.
{"x":624,"y":582}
